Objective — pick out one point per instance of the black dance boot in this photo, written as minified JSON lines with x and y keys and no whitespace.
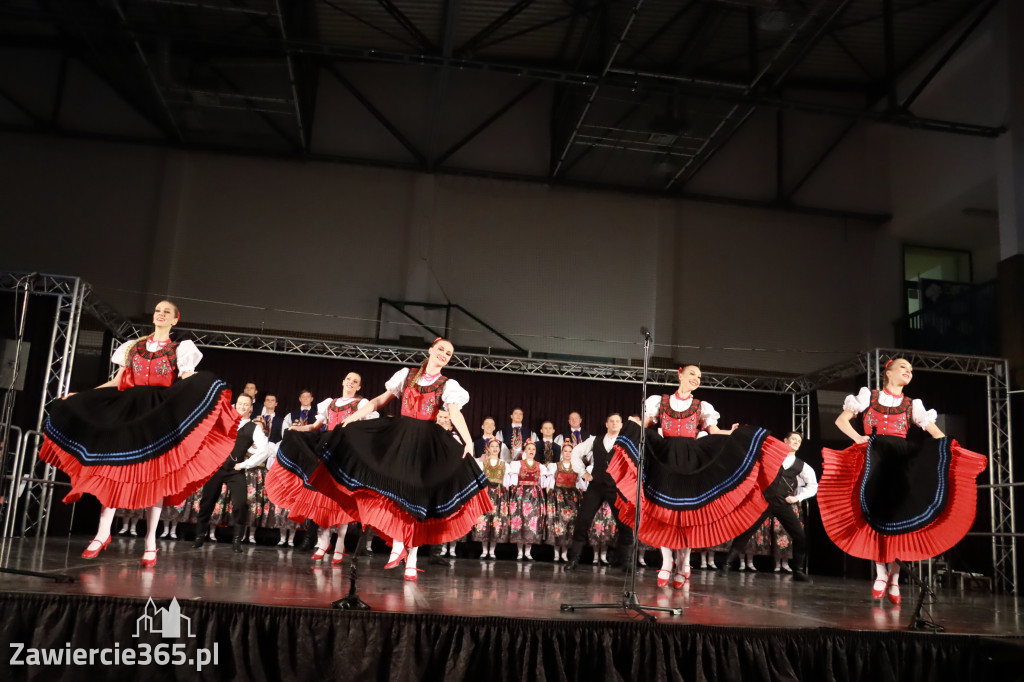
{"x":574,"y":555}
{"x":311,"y":531}
{"x":201,"y":532}
{"x":236,"y":541}
{"x":621,"y":556}
{"x":723,"y":568}
{"x":367,"y":538}
{"x":436,"y":559}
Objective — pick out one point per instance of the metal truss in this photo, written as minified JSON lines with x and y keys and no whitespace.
{"x":119,"y":326}
{"x":802,"y":414}
{"x":478,"y":362}
{"x":1001,"y":494}
{"x":74,"y":295}
{"x":70,"y":293}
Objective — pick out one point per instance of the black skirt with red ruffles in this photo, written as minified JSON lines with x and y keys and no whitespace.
{"x":288,"y":490}
{"x":405,"y":478}
{"x":894,"y":499}
{"x":696,"y":492}
{"x":144,"y":446}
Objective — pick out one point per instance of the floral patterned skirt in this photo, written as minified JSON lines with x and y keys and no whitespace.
{"x":277,"y":517}
{"x":783,"y":547}
{"x":221,"y":511}
{"x":761,"y":543}
{"x":603,"y":531}
{"x":171,"y":514}
{"x":130,"y":514}
{"x":563,"y":506}
{"x":527,"y":511}
{"x":494,"y":525}
{"x":255,"y":494}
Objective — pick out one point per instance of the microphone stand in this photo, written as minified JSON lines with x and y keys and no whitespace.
{"x":917,"y":621}
{"x":629,"y":600}
{"x":351,"y":601}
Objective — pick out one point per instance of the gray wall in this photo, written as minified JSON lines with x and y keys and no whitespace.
{"x":254,"y":243}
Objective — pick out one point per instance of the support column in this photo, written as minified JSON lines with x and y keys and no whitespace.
{"x":1010,"y":170}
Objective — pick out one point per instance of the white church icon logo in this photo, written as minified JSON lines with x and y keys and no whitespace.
{"x":166,"y":622}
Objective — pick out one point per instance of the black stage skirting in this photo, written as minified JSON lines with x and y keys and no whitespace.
{"x":272,"y":643}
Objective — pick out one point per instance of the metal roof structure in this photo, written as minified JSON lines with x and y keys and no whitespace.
{"x":637,"y":95}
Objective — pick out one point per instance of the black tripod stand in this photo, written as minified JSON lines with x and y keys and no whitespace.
{"x":629,"y":600}
{"x":918,"y":621}
{"x":351,"y":601}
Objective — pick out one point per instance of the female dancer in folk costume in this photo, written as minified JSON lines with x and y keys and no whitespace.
{"x":493,"y":527}
{"x":885,"y":498}
{"x":697,"y":492}
{"x":563,"y":503}
{"x":526,"y":506}
{"x":150,"y":436}
{"x":405,"y":477}
{"x":287,"y":490}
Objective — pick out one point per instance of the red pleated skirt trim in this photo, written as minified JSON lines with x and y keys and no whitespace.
{"x":841,"y":515}
{"x":287,"y":491}
{"x":394,"y":523}
{"x":656,"y":532}
{"x":168,"y":479}
{"x":723,"y":517}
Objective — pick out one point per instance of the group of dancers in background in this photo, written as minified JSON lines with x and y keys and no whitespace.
{"x":160,"y":432}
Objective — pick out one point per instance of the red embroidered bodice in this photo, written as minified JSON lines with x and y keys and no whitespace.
{"x":888,"y":421}
{"x":336,"y":415}
{"x":529,"y":475}
{"x":565,"y":478}
{"x":495,"y":474}
{"x":685,"y":424}
{"x":145,"y":368}
{"x":422,"y":402}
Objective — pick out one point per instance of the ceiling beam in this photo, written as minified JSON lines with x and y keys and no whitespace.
{"x":410,"y":27}
{"x":292,"y":79}
{"x":595,"y":88}
{"x":234,"y":150}
{"x":954,"y":47}
{"x":420,"y":157}
{"x":495,"y":25}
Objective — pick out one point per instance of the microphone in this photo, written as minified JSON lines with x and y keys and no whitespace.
{"x":646,"y":333}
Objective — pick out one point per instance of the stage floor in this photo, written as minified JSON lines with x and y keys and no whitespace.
{"x":493,"y":588}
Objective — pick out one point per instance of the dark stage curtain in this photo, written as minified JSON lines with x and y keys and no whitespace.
{"x":273,"y":643}
{"x":491,"y":394}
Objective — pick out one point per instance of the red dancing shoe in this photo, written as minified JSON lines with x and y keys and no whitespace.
{"x":319,"y":554}
{"x":679,"y":579}
{"x":411,"y":573}
{"x":93,"y":553}
{"x":894,"y":594}
{"x":149,"y":563}
{"x":878,"y":589}
{"x":337,"y":558}
{"x":395,"y":560}
{"x":663,"y":575}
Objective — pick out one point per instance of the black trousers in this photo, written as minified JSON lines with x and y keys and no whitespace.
{"x":235,"y":481}
{"x":783,"y":511}
{"x":601,"y":489}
